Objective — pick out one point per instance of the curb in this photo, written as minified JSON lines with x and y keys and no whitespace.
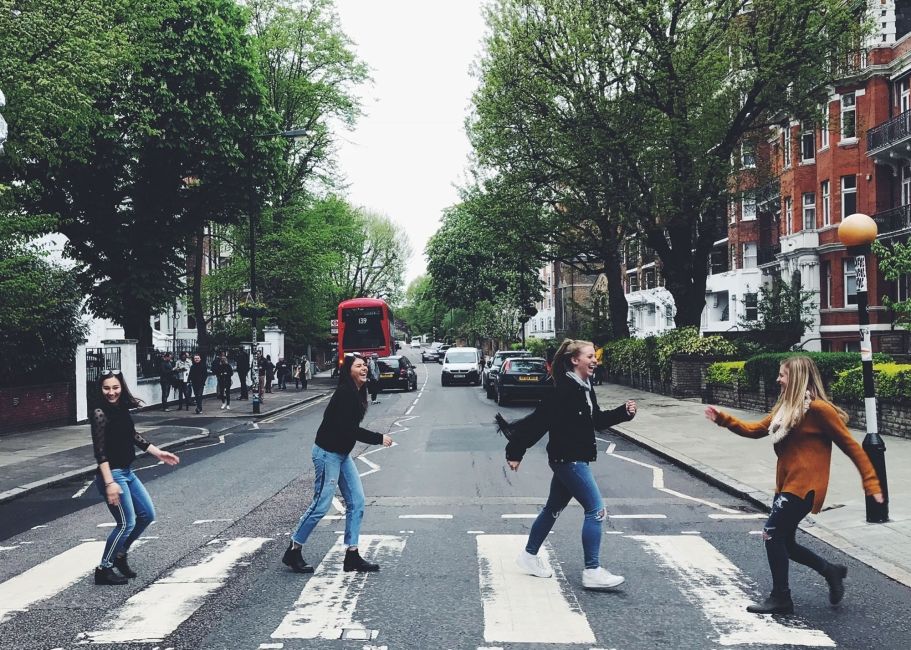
{"x":287,"y":407}
{"x":34,"y":486}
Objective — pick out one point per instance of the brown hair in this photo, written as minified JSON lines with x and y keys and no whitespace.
{"x":803,"y":378}
{"x":562,"y":363}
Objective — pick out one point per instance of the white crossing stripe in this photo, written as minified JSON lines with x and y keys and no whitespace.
{"x":637,"y":516}
{"x":48,"y":578}
{"x":155,"y":612}
{"x":711,"y":581}
{"x":757,"y":515}
{"x":518,"y":516}
{"x":425,"y":516}
{"x":326,"y":606}
{"x":519,"y":608}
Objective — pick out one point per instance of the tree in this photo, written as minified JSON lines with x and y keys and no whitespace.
{"x":664,"y":93}
{"x":894,"y":261}
{"x":784,"y":312}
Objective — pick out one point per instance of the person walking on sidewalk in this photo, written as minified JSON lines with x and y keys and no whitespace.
{"x":571,"y":415}
{"x":181,"y":369}
{"x":803,"y":425}
{"x":243,"y":370}
{"x":270,"y":372}
{"x":332,"y":463}
{"x":198,"y":377}
{"x":165,"y":379}
{"x":281,"y":373}
{"x":373,"y":378}
{"x":114,"y":437}
{"x":224,"y":375}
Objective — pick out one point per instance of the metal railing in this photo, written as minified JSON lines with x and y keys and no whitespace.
{"x":97,"y":360}
{"x":888,"y":133}
{"x":894,"y":220}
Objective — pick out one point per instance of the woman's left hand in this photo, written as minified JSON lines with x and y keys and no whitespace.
{"x":387,"y":440}
{"x":631,"y":407}
{"x":168,"y":458}
{"x":878,"y":497}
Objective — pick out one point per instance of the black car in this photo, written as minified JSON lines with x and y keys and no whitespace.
{"x":397,"y":372}
{"x":522,"y":378}
{"x":489,"y":375}
{"x":431,"y":352}
{"x":442,"y":352}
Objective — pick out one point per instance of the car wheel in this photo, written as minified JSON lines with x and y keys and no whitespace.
{"x":501,"y":398}
{"x":489,"y":392}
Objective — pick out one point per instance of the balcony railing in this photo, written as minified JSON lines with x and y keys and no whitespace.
{"x":766,"y":254}
{"x":894,"y":220}
{"x":896,"y":130}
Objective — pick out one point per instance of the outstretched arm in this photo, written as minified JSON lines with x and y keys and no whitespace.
{"x":746,"y":429}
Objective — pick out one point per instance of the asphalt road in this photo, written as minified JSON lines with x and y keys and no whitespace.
{"x":445,"y":519}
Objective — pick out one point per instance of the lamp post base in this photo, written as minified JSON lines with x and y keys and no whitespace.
{"x":873,"y":444}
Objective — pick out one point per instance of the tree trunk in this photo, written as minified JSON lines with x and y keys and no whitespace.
{"x":202,"y":334}
{"x":137,"y":325}
{"x":617,"y":306}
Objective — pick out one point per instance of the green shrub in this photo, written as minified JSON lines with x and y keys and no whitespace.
{"x":725,"y":372}
{"x":687,"y":340}
{"x":622,"y":354}
{"x":891,"y":380}
{"x":765,"y":366}
{"x":542,"y":347}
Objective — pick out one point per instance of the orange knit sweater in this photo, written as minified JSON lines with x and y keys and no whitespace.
{"x":805,"y":454}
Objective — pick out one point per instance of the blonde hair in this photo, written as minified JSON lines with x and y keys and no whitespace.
{"x":562,"y":363}
{"x":803,"y":378}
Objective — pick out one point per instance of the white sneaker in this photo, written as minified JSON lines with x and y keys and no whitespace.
{"x":600,"y":578}
{"x":227,"y":407}
{"x":533,"y":565}
{"x":222,"y":407}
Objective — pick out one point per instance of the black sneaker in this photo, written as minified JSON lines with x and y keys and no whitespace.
{"x":776,"y":603}
{"x":105,"y":575}
{"x":120,"y":563}
{"x":293,"y":559}
{"x":354,"y":562}
{"x":835,"y":576}
{"x":503,"y":426}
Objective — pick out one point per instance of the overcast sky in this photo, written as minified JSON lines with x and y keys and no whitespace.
{"x":409,"y":151}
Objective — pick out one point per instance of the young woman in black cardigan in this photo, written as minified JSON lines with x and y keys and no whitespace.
{"x":571,"y":415}
{"x":333,"y":465}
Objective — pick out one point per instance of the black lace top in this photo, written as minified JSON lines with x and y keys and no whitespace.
{"x":114,"y":436}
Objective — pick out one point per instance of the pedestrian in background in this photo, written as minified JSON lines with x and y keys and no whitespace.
{"x":373,"y":378}
{"x":261,"y":371}
{"x":270,"y":372}
{"x":599,"y":370}
{"x":803,"y":425}
{"x":304,"y":371}
{"x":281,"y":373}
{"x":332,"y":463}
{"x":243,"y":369}
{"x":165,"y":379}
{"x":224,"y":375}
{"x":571,"y":415}
{"x":181,"y":371}
{"x":114,"y":437}
{"x":198,"y":376}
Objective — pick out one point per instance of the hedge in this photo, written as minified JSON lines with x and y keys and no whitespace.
{"x":766,"y":366}
{"x":891,"y":380}
{"x":725,"y":372}
{"x":655,"y":352}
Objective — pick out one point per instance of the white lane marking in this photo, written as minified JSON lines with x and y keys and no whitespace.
{"x":475,"y":532}
{"x":658,"y":481}
{"x":271,"y":646}
{"x":159,"y":609}
{"x":10,"y":548}
{"x":757,"y":515}
{"x":39,"y":526}
{"x":107,"y":525}
{"x":373,"y":466}
{"x":610,"y":532}
{"x":294,"y":410}
{"x":221,"y":441}
{"x":48,"y":578}
{"x":209,"y":521}
{"x":756,"y":532}
{"x":83,"y":489}
{"x":518,"y":516}
{"x":410,"y":409}
{"x":709,"y":580}
{"x":611,"y":447}
{"x":690,"y":532}
{"x":637,"y":516}
{"x":328,"y":602}
{"x":425,"y":516}
{"x":520,"y":608}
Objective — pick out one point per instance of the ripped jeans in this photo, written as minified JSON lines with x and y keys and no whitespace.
{"x":572,"y":480}
{"x":779,"y":534}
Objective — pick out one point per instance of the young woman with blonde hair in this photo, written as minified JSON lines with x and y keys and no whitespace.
{"x":803,"y":425}
{"x":570,"y":414}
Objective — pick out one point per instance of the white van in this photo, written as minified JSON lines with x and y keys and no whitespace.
{"x":416,"y":343}
{"x":461,"y":365}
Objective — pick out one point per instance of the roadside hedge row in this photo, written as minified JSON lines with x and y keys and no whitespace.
{"x":725,"y":372}
{"x":892,"y":380}
{"x":655,"y":352}
{"x":765,"y":366}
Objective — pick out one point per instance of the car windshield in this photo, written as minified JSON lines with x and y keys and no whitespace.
{"x":462,"y":357}
{"x":387,"y":363}
{"x":526,"y":366}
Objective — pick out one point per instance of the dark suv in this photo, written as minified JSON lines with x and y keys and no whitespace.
{"x":489,"y":376}
{"x":397,"y":372}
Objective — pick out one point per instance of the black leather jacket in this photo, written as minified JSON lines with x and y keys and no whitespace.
{"x":565,"y":414}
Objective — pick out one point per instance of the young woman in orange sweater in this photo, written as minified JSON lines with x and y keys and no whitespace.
{"x":803,"y":425}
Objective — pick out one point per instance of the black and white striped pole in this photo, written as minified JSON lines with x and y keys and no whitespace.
{"x":857,"y":232}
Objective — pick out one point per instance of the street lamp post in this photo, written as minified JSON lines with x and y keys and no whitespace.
{"x":857,"y":232}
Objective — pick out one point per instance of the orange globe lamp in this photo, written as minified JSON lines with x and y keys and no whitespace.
{"x":857,"y":230}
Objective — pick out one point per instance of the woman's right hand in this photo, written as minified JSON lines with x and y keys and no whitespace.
{"x":711,"y":413}
{"x":513,"y":465}
{"x":112,"y":493}
{"x":387,"y":440}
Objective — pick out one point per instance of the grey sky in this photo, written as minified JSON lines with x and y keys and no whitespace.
{"x":410,"y":149}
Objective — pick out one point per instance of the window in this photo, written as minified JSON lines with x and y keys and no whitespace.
{"x":824,"y":128}
{"x":825,"y":285}
{"x":748,"y":207}
{"x":904,"y":102}
{"x":789,"y":214}
{"x":650,"y":315}
{"x":809,"y":210}
{"x":786,"y":149}
{"x":848,"y":117}
{"x":747,"y":155}
{"x":649,"y":278}
{"x":906,"y":184}
{"x":733,"y":258}
{"x":751,"y":306}
{"x":732,"y":212}
{"x":749,"y":255}
{"x":668,"y":316}
{"x":826,"y":212}
{"x":850,"y":281}
{"x":632,"y":281}
{"x":807,"y":142}
{"x":718,"y":262}
{"x":848,"y":195}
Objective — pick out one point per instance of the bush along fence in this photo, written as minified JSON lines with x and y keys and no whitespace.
{"x":751,"y":385}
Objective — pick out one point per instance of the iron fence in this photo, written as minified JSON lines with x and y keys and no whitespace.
{"x":97,"y":360}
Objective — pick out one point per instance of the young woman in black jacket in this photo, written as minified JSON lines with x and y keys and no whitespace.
{"x":113,"y":438}
{"x":332,"y":463}
{"x":571,"y":415}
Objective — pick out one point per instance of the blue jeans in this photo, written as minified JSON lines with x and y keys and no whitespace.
{"x":133,"y":514}
{"x":331,"y":469}
{"x":572,"y":480}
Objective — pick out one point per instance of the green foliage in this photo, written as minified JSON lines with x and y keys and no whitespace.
{"x":785,"y":311}
{"x":892,"y":380}
{"x":765,"y":366}
{"x":894,"y":261}
{"x":620,"y":355}
{"x":541,"y":347}
{"x":656,"y":352}
{"x":727,"y":373}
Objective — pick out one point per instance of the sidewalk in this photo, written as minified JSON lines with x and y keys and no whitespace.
{"x":33,"y":460}
{"x":677,"y":430}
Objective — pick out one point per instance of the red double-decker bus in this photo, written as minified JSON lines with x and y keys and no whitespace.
{"x":365,"y":325}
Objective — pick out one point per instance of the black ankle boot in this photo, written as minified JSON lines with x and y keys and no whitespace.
{"x":293,"y":559}
{"x":354,"y":562}
{"x":835,"y":576}
{"x":776,"y":603}
{"x":120,"y":563}
{"x":105,"y":575}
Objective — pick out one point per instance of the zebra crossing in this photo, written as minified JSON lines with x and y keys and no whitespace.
{"x":517,"y":608}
